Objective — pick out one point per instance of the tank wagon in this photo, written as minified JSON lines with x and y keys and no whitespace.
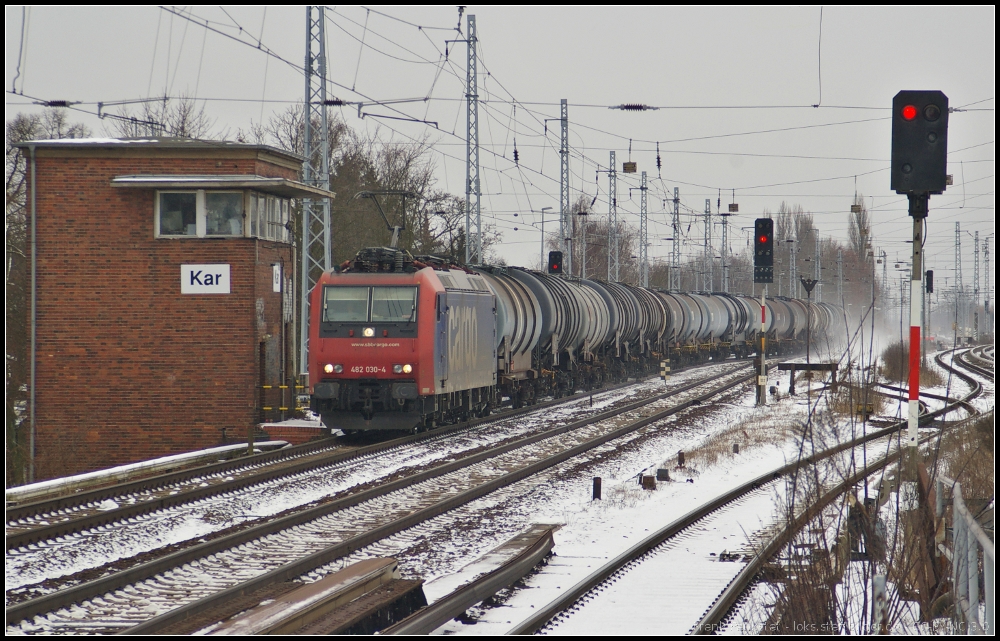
{"x":404,"y":343}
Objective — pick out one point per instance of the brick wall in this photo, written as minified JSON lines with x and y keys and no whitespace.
{"x":127,"y":367}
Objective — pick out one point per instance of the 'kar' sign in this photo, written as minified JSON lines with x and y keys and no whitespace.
{"x":204,"y":279}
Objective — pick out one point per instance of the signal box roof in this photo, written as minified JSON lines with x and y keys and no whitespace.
{"x":154,"y":142}
{"x":153,"y":146}
{"x":277,"y":186}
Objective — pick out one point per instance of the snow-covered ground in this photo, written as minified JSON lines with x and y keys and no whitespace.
{"x":596,"y":531}
{"x":443,"y":550}
{"x":670,"y":599}
{"x":96,"y":548}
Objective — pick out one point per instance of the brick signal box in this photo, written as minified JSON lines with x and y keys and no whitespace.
{"x":164,"y":301}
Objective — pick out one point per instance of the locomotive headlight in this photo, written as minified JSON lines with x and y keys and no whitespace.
{"x":407,"y":368}
{"x":337,"y":369}
{"x":369,"y":332}
{"x":397,"y":369}
{"x":328,"y":368}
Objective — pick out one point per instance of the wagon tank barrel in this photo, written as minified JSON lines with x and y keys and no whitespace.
{"x":399,"y":342}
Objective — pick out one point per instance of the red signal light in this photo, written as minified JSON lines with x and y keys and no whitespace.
{"x":763,"y":239}
{"x":909,"y":112}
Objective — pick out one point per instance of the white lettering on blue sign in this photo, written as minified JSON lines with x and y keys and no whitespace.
{"x":205,"y":279}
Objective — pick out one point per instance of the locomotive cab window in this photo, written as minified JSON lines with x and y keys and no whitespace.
{"x":394,"y":304}
{"x":346,"y":304}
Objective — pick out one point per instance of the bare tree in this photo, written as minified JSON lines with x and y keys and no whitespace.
{"x":179,"y":117}
{"x":433,"y":220}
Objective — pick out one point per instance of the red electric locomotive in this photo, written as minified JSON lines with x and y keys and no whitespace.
{"x":396,"y":344}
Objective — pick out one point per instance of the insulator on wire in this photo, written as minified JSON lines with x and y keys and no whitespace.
{"x":634,"y":106}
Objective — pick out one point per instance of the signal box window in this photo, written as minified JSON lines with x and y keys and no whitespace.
{"x":204,"y":213}
{"x":178,"y":214}
{"x":345,"y":304}
{"x":224,"y":214}
{"x":394,"y":304}
{"x":269,"y":217}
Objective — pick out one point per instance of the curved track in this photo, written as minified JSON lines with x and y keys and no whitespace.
{"x":715,"y":617}
{"x":576,"y":598}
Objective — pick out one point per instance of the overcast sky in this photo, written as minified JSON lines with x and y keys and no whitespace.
{"x":735,"y":87}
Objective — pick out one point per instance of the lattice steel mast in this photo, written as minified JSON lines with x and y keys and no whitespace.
{"x":707,"y":267}
{"x":959,"y":297}
{"x":565,"y":222}
{"x":643,"y":235}
{"x":975,"y":288}
{"x":612,"y":221}
{"x":473,"y":213}
{"x":316,"y":247}
{"x":818,"y":269}
{"x":675,"y":257}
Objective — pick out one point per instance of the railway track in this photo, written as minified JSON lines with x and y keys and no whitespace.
{"x":209,"y":574}
{"x":576,"y":599}
{"x":39,"y":521}
{"x":901,"y":391}
{"x":714,"y":618}
{"x":978,"y":360}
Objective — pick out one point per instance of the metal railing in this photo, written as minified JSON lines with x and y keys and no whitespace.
{"x":968,"y":542}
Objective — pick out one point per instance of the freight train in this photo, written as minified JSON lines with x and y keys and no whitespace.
{"x":398,"y":342}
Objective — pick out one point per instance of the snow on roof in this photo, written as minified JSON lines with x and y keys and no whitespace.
{"x":167,"y":142}
{"x":91,"y":141}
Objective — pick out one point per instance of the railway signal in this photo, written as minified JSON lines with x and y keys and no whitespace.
{"x":919,"y":142}
{"x":555,"y":262}
{"x":763,"y":251}
{"x":919,"y":169}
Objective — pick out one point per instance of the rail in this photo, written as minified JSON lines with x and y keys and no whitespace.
{"x":713,"y":619}
{"x":440,"y":612}
{"x":269,"y":466}
{"x":55,"y":600}
{"x":319,"y":558}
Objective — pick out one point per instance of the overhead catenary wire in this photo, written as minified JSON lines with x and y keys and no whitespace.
{"x":530,"y":169}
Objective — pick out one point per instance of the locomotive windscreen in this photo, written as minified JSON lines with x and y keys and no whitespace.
{"x":394,"y":304}
{"x":346,"y":304}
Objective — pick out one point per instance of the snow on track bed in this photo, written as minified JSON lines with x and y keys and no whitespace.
{"x":670,"y":588}
{"x":206,"y":576}
{"x":109,"y":544}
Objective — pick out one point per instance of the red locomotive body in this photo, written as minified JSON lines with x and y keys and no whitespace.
{"x":399,"y":349}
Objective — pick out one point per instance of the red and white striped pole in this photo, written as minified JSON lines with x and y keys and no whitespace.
{"x":762,"y":374}
{"x":918,"y":210}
